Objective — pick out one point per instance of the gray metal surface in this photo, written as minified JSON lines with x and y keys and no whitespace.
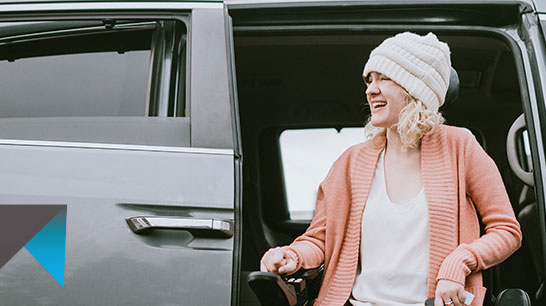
{"x":109,"y":169}
{"x":106,"y":263}
{"x":193,"y":2}
{"x":540,"y":5}
{"x":152,"y":131}
{"x":307,"y":3}
{"x":209,"y":90}
{"x":113,"y":146}
{"x":47,"y":6}
{"x":535,"y":57}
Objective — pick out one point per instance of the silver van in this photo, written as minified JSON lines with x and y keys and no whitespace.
{"x":137,"y":115}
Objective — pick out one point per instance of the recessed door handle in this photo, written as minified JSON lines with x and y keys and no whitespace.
{"x":199,"y":227}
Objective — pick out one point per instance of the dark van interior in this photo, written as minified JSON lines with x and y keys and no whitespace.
{"x":300,"y":77}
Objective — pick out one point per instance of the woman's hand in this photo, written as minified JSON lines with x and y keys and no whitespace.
{"x":449,"y":293}
{"x":279,"y":261}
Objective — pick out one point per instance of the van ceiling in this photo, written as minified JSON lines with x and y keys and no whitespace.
{"x":317,"y":78}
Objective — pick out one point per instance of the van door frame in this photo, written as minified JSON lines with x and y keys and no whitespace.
{"x":533,"y":53}
{"x":530,"y":82}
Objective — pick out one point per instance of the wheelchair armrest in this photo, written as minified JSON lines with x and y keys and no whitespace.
{"x":271,"y":289}
{"x":309,"y":274}
{"x":286,"y":290}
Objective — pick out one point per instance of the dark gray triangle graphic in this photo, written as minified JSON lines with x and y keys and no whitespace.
{"x":19,"y":223}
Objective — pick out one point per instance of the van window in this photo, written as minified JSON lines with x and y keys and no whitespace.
{"x":307,"y":155}
{"x":87,"y":70}
{"x":85,"y":84}
{"x":92,"y":81}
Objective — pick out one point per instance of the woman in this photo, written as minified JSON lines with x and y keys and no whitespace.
{"x":422,"y":184}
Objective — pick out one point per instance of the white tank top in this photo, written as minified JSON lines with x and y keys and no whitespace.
{"x":393,"y":267}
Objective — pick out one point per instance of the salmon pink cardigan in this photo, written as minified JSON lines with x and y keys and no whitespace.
{"x":460,"y":181}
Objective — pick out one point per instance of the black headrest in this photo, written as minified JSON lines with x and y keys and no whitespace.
{"x":452,"y":90}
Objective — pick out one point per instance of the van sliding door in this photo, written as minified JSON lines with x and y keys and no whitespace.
{"x":103,"y":110}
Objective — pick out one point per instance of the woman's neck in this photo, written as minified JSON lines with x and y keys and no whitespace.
{"x":403,"y":178}
{"x":395,"y":147}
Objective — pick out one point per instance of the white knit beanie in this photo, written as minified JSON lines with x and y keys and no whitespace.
{"x":420,"y":64}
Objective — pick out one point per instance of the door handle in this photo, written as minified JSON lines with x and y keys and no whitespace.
{"x":199,"y":227}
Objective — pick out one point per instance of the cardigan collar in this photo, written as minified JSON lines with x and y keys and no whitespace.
{"x":440,"y":186}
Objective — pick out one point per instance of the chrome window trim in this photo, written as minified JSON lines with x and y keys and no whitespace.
{"x":102,"y":6}
{"x":108,"y":146}
{"x":526,"y":5}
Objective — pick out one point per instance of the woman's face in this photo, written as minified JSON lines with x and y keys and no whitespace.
{"x":386,"y":99}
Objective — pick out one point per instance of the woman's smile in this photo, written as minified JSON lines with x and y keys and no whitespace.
{"x":386,"y":99}
{"x":377,"y":105}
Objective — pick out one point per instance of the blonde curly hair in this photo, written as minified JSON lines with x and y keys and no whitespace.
{"x":414,"y":122}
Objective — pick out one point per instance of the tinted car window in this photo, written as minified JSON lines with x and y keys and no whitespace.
{"x":83,"y":71}
{"x":86,"y":84}
{"x":95,"y":81}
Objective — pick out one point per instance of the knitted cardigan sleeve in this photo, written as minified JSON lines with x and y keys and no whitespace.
{"x":502,"y":237}
{"x":310,"y":246}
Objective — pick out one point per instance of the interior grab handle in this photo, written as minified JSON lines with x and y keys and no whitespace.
{"x":199,"y":227}
{"x":511,"y":151}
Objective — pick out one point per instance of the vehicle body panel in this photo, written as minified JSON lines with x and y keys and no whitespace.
{"x":106,"y":263}
{"x":192,"y":175}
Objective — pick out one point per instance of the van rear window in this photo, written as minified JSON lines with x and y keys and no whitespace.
{"x":307,"y":155}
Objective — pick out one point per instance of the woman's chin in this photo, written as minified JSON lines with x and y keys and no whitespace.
{"x":379,"y":124}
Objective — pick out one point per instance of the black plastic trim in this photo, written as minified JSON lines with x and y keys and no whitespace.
{"x":490,"y":14}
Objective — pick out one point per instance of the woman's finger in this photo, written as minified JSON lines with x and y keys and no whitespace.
{"x":278,"y":258}
{"x":456,"y":300}
{"x":267,"y":263}
{"x":273,"y":260}
{"x":289,"y":267}
{"x":438,"y":301}
{"x":462,"y":296}
{"x":450,"y":293}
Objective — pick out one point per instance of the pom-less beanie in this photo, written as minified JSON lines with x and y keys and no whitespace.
{"x":420,"y":64}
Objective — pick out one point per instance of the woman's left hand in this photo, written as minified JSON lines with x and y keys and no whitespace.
{"x":449,"y":293}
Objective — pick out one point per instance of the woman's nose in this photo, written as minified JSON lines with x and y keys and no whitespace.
{"x":372,"y":89}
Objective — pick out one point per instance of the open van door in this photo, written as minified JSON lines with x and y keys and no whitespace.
{"x":121,"y":112}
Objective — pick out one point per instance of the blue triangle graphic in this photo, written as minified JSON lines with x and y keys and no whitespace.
{"x":48,"y":246}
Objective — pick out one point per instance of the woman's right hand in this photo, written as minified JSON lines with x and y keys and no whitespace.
{"x":279,"y":261}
